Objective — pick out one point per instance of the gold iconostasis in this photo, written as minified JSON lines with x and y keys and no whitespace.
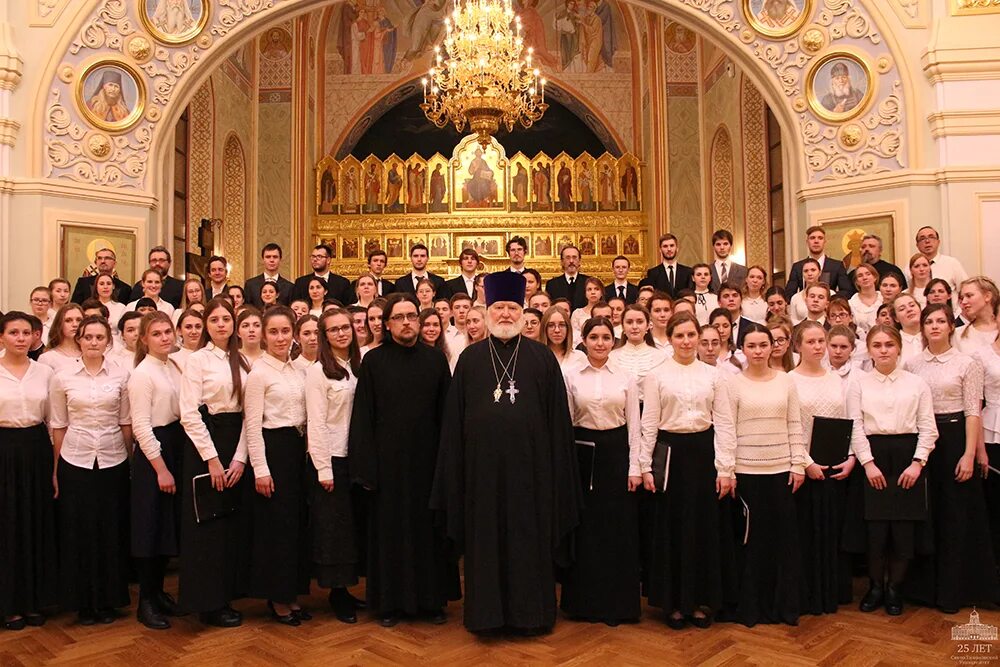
{"x":480,"y":198}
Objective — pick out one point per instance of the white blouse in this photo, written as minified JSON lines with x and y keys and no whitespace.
{"x":328,"y":410}
{"x":25,"y":402}
{"x":154,"y":395}
{"x":162,"y":305}
{"x":605,"y":398}
{"x":754,"y":309}
{"x":864,"y":315}
{"x":274,"y":398}
{"x":892,"y":404}
{"x":822,"y":396}
{"x":577,"y":320}
{"x":637,"y":360}
{"x":181,"y":356}
{"x":797,"y":310}
{"x":456,"y":343}
{"x":122,"y":357}
{"x":990,"y":360}
{"x":704,"y":304}
{"x":968,"y":338}
{"x":92,"y":408}
{"x":682,"y":399}
{"x":913,"y":345}
{"x":300,"y":363}
{"x":115,"y":311}
{"x":59,"y":361}
{"x":208,"y":381}
{"x":955,"y":379}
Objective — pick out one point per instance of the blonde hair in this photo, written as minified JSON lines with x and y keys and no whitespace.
{"x":986,"y":286}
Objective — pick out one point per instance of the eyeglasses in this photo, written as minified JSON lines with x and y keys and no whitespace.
{"x":555,"y":325}
{"x":409,"y":317}
{"x":341,"y":329}
{"x":318,"y":256}
{"x":780,"y":341}
{"x":927,"y":237}
{"x":41,"y":301}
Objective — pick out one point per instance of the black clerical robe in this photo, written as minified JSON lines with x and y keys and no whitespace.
{"x":507,"y":483}
{"x":393,"y":446}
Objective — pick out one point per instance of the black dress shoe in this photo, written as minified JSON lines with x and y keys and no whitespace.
{"x":167,"y":605}
{"x":302,"y":614}
{"x":437,"y":617}
{"x":675,"y":623}
{"x":221,"y":618}
{"x":15,"y":624}
{"x":893,"y":601}
{"x":611,"y":623}
{"x":106,"y":615}
{"x":872,"y":599}
{"x":35,"y":620}
{"x":232,"y":612}
{"x":358,"y":604}
{"x":86,"y":617}
{"x":343,"y":606}
{"x":388,"y":620}
{"x":285,"y":619}
{"x":148,"y":614}
{"x":702,"y":622}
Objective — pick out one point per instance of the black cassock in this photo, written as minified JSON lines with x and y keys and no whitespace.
{"x":393,"y":446}
{"x":507,"y":484}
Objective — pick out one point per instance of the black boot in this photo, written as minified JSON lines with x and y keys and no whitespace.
{"x":872,"y":599}
{"x":343,"y":605}
{"x":148,"y":614}
{"x":893,"y":600}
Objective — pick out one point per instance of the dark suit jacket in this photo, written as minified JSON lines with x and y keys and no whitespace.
{"x":631,"y":292}
{"x":558,"y":288}
{"x":457,"y":285}
{"x":656,"y":277}
{"x":740,"y":330}
{"x":405,"y":284}
{"x":832,"y":272}
{"x":337,"y":287}
{"x":251,"y":291}
{"x":172,"y":291}
{"x":737,"y":276}
{"x":84,"y":289}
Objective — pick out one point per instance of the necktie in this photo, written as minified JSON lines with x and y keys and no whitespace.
{"x":621,"y":291}
{"x":571,"y":281}
{"x":724,"y":274}
{"x":670,"y":277}
{"x":416,"y":281}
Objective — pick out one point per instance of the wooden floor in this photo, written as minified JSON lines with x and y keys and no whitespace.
{"x":918,"y":637}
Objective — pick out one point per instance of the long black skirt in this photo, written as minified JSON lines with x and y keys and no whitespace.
{"x":94,"y":557}
{"x":277,"y":571}
{"x":991,"y":490}
{"x":905,"y":538}
{"x":156,"y":516}
{"x":332,"y":529}
{"x":826,"y":568}
{"x":962,"y":571}
{"x":603,"y":582}
{"x":685,"y":567}
{"x":214,"y":562}
{"x":769,"y":562}
{"x":28,"y":557}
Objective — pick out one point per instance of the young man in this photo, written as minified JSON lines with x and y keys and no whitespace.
{"x":817,"y":301}
{"x":516,"y":249}
{"x":669,"y":276}
{"x":418,"y":260}
{"x":454,"y":334}
{"x":570,"y":284}
{"x":620,"y":287}
{"x":725,"y":270}
{"x":105,"y":261}
{"x":337,"y":287}
{"x":540,"y":302}
{"x":218,"y":273}
{"x":377,"y":261}
{"x":270,"y":256}
{"x":731,"y":298}
{"x":173,"y":289}
{"x":832,"y":271}
{"x":468,"y":261}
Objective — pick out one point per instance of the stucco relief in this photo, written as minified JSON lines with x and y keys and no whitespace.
{"x":758,"y":235}
{"x":200,"y":165}
{"x":234,"y":206}
{"x":721,"y":180}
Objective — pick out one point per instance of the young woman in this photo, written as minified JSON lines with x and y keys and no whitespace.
{"x":152,"y":283}
{"x":60,"y":290}
{"x":238,"y":297}
{"x":661,"y":307}
{"x":154,"y":395}
{"x":885,"y":316}
{"x":104,"y":291}
{"x":92,"y":433}
{"x":709,"y":345}
{"x":477,"y":285}
{"x":840,"y":345}
{"x":685,"y":570}
{"x":730,"y":359}
{"x":865,"y":303}
{"x":937,"y":291}
{"x":889,"y":286}
{"x":989,"y":357}
{"x":532,"y":284}
{"x":762,"y":448}
{"x":300,"y":307}
{"x":754,"y":304}
{"x":329,"y":388}
{"x":248,"y":331}
{"x":617,"y":305}
{"x":637,"y":355}
{"x":373,"y":325}
{"x":29,"y":583}
{"x":189,"y":325}
{"x":603,"y":582}
{"x":810,"y":276}
{"x":556,"y":335}
{"x":896,"y":414}
{"x":906,"y":312}
{"x":274,"y":405}
{"x":962,"y":571}
{"x":979,"y":300}
{"x":431,"y":331}
{"x":532,"y":324}
{"x":268,"y":295}
{"x":214,"y":554}
{"x":128,"y":337}
{"x":366,"y":290}
{"x":593,"y":290}
{"x":41,"y":302}
{"x":63,"y":353}
{"x":306,"y":342}
{"x":920,"y":275}
{"x":359,"y":320}
{"x":777,"y":306}
{"x":820,"y":503}
{"x":782,"y":357}
{"x":193,"y":292}
{"x":316,"y":290}
{"x":705,"y":302}
{"x":475,"y":325}
{"x":425,"y":294}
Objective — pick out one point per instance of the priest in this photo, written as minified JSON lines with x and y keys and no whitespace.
{"x":392,"y":449}
{"x":507,"y":483}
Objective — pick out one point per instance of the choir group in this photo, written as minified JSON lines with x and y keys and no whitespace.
{"x":742,"y":451}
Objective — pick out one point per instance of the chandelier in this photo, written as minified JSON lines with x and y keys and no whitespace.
{"x":480,"y":80}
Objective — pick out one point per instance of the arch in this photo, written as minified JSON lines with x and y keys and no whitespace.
{"x":200,"y":160}
{"x":234,"y":205}
{"x":721,"y":179}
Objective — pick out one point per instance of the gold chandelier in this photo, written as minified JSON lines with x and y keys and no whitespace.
{"x":481,"y":81}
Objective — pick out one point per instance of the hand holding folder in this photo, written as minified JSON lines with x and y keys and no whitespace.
{"x":211,"y":504}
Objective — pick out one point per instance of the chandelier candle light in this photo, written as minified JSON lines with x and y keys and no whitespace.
{"x":481,"y":80}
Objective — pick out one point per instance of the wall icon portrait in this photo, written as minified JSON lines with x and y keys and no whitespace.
{"x":111,"y":95}
{"x":174,"y":21}
{"x":777,"y":18}
{"x":839,"y":86}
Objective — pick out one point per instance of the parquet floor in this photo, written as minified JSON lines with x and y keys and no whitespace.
{"x":918,"y":637}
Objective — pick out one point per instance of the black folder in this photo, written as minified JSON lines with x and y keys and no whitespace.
{"x":661,"y":466}
{"x":585,"y":453}
{"x":831,"y":440}
{"x":211,"y":504}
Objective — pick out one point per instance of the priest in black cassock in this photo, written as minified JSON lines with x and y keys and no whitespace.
{"x":395,"y":431}
{"x":507,"y":479}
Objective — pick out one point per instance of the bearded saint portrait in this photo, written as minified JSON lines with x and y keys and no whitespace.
{"x":107,"y":103}
{"x":173,"y":17}
{"x":843,"y":96}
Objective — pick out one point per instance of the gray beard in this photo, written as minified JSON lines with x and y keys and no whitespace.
{"x":505,"y":331}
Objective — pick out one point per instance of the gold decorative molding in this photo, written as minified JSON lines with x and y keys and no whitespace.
{"x":974,"y":7}
{"x":964,"y":123}
{"x":913,"y":14}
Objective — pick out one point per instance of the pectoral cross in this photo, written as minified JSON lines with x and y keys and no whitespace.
{"x":512,"y":390}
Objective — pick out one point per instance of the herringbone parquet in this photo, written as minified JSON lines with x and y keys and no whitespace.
{"x":918,"y":637}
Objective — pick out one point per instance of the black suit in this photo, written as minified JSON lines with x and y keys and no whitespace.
{"x":171,"y":292}
{"x":631,"y":292}
{"x":457,"y":285}
{"x":85,"y":289}
{"x":740,"y":327}
{"x":405,"y":284}
{"x":558,"y":288}
{"x":251,"y":291}
{"x":656,"y":277}
{"x":337,"y":287}
{"x":832,"y":273}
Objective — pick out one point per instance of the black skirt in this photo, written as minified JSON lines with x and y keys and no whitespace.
{"x":962,"y":571}
{"x":826,"y":569}
{"x":603,"y":582}
{"x":332,"y":529}
{"x":156,"y":516}
{"x":28,"y":565}
{"x":685,"y":567}
{"x":991,"y":490}
{"x":215,"y":559}
{"x":277,"y":571}
{"x":94,"y":557}
{"x":769,"y":562}
{"x":893,"y":454}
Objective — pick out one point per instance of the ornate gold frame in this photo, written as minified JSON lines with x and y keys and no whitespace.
{"x":140,"y":102}
{"x":175,"y":40}
{"x":814,"y":102}
{"x":807,"y":10}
